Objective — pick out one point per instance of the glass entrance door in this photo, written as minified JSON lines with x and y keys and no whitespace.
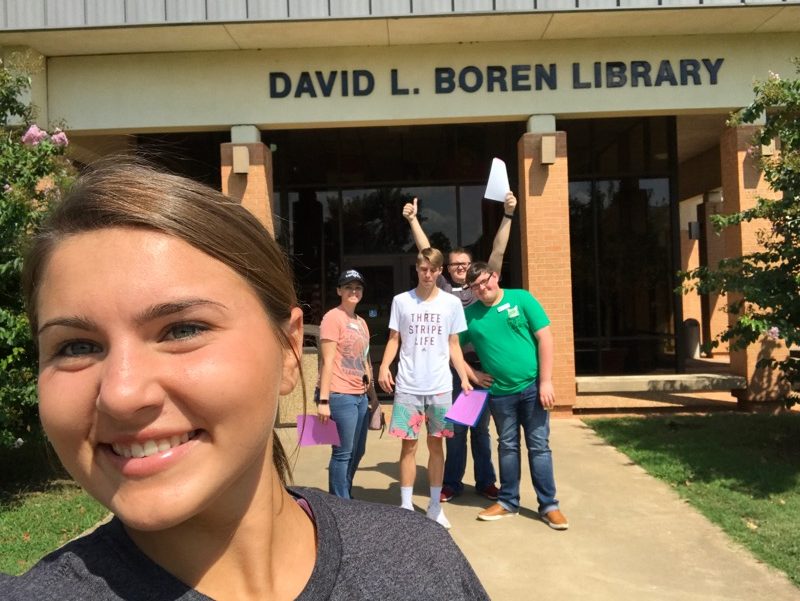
{"x":621,"y":277}
{"x":621,"y":241}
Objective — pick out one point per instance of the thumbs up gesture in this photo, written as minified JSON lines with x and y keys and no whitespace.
{"x":410,"y":210}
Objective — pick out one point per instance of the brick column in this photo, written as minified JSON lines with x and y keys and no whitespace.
{"x":254,"y":188}
{"x":546,"y":272}
{"x":742,"y":182}
{"x":690,"y":257}
{"x":715,"y":252}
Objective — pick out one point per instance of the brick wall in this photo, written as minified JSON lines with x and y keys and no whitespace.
{"x":742,"y":183}
{"x":697,"y":176}
{"x":690,"y":259}
{"x":546,"y":273}
{"x":253,"y":189}
{"x":715,"y":251}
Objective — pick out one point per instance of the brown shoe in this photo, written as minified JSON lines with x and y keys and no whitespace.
{"x":556,"y":520}
{"x":495,"y":512}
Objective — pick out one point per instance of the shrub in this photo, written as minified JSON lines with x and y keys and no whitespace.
{"x":33,"y":170}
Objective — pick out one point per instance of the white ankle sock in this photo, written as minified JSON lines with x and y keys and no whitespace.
{"x":406,"y":492}
{"x":437,"y":515}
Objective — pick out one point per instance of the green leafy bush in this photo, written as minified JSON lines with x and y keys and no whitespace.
{"x":766,"y":283}
{"x":33,"y":170}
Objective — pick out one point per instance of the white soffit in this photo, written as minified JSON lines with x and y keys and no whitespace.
{"x":761,"y":19}
{"x":408,"y":30}
{"x":127,"y":40}
{"x":467,"y":29}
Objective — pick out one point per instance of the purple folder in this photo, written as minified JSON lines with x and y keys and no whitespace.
{"x":311,"y":431}
{"x":467,"y":408}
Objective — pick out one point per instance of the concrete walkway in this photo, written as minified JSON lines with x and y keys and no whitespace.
{"x":631,"y":537}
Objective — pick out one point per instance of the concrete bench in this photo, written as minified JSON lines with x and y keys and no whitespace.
{"x":658,"y":383}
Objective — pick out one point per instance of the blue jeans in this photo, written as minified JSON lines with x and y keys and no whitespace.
{"x":349,"y":412}
{"x":509,"y":413}
{"x":481,"y":444}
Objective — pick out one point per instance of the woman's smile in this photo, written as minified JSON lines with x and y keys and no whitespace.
{"x":150,"y":447}
{"x":151,"y":457}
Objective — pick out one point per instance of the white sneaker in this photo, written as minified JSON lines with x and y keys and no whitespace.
{"x":437,"y":515}
{"x":409,"y":507}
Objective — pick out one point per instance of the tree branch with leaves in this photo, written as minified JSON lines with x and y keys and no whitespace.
{"x":764,"y":285}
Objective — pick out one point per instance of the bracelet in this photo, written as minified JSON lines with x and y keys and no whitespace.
{"x":507,"y":216}
{"x":322,"y":402}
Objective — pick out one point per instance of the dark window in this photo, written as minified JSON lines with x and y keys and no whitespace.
{"x":621,"y":241}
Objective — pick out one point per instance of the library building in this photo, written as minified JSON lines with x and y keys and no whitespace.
{"x":324,"y":117}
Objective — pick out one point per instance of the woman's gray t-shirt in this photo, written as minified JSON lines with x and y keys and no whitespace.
{"x":364,"y":551}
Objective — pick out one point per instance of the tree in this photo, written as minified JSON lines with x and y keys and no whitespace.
{"x":33,"y":170}
{"x":766,"y":283}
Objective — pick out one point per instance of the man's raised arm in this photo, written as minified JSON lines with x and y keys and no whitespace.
{"x":503,"y":232}
{"x":420,"y":239}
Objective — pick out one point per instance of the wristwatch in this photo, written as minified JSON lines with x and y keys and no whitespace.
{"x":322,"y":402}
{"x":507,"y":216}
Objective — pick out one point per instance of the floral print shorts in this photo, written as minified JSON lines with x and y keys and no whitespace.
{"x":410,"y":411}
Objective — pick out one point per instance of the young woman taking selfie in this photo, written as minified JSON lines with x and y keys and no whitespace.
{"x":168,"y":327}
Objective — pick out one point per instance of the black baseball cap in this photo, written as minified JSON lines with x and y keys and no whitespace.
{"x":351,"y":275}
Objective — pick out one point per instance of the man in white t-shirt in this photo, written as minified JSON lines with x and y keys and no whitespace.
{"x":480,"y":441}
{"x":424,"y":325}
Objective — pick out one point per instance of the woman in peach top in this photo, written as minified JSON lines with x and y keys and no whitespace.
{"x":345,"y":381}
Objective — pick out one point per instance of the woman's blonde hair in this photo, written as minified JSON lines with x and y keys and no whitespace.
{"x":128,"y":192}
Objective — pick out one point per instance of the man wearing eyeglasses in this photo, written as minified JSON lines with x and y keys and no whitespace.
{"x":511,"y":334}
{"x":459,"y":260}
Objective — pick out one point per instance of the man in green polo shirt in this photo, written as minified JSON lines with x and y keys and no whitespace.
{"x":511,"y":334}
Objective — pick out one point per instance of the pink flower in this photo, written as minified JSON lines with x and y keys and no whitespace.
{"x":59,"y":138}
{"x":34,"y":135}
{"x":415,"y":422}
{"x":774,"y":332}
{"x":399,"y":433}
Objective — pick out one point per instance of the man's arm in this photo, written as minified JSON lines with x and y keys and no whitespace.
{"x":385,"y":378}
{"x":420,"y":239}
{"x":477,"y":377}
{"x":503,"y":232}
{"x":547,"y":394}
{"x":481,"y":378}
{"x":457,"y":358}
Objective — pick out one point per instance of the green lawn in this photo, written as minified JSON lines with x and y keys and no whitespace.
{"x":740,"y":471}
{"x":40,"y":507}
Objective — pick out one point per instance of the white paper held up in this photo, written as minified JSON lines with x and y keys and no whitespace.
{"x":497,"y":186}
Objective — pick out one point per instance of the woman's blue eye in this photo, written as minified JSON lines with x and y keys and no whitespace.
{"x":78,"y":348}
{"x":184,"y":330}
